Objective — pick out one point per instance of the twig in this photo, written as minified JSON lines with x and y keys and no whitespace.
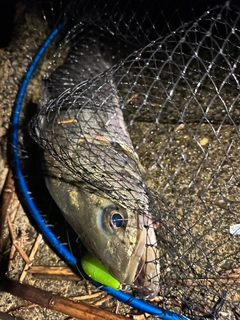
{"x":53,"y":272}
{"x":89,"y":296}
{"x":25,"y":307}
{"x":7,"y":193}
{"x":31,"y":256}
{"x":16,"y":243}
{"x":55,"y":302}
{"x":99,"y":302}
{"x":6,"y":198}
{"x":132,"y":98}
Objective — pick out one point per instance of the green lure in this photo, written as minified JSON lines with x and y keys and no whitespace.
{"x":96,"y":270}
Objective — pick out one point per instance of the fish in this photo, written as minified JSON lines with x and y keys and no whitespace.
{"x":92,"y":170}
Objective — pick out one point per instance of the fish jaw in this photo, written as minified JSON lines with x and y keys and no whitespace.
{"x":146,"y":282}
{"x":152,"y":268}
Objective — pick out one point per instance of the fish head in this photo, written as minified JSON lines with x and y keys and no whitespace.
{"x":111,"y":233}
{"x":114,"y":234}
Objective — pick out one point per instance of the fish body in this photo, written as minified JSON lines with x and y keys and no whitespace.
{"x":92,"y":170}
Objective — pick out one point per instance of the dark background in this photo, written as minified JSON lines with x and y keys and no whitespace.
{"x":171,"y":12}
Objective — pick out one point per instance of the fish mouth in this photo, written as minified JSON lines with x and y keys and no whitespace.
{"x":143,"y":271}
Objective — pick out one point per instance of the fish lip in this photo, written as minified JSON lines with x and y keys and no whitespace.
{"x":141,"y":284}
{"x":137,"y":257}
{"x":136,"y":262}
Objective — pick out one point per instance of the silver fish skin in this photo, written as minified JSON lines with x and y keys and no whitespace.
{"x":92,"y":170}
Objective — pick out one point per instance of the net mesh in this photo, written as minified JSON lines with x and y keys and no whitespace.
{"x":156,"y":130}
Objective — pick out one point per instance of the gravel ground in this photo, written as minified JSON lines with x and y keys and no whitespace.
{"x":194,"y":168}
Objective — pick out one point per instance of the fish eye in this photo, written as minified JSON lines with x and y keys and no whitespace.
{"x":116,"y":220}
{"x":115,"y":217}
